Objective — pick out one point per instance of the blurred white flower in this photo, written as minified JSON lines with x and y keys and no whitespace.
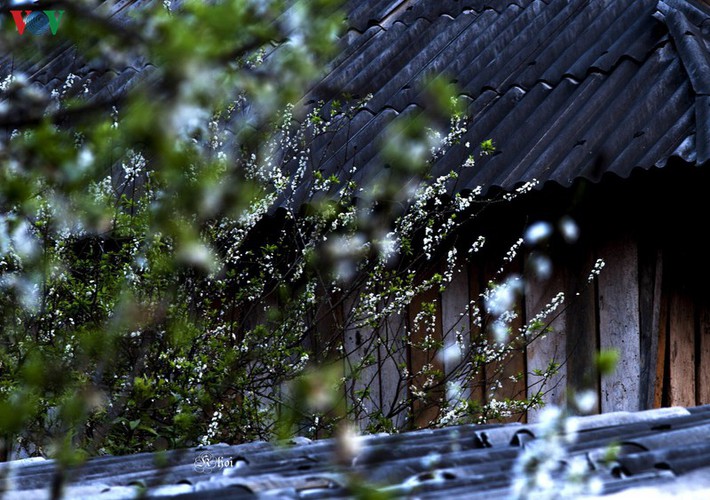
{"x":500,"y":331}
{"x":197,"y":255}
{"x":451,"y":353}
{"x":502,"y":297}
{"x":4,"y":236}
{"x":85,"y":159}
{"x":538,"y":232}
{"x":348,"y":444}
{"x":188,"y":120}
{"x":585,"y":401}
{"x":569,"y":229}
{"x":23,"y":241}
{"x":541,"y":265}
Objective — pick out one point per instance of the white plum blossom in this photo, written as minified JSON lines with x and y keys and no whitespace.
{"x":569,"y":229}
{"x":502,"y":297}
{"x":538,"y":232}
{"x":596,"y":270}
{"x":585,"y":401}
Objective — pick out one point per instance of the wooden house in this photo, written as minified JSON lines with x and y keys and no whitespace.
{"x":607,"y":105}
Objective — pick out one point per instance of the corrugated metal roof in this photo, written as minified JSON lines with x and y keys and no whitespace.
{"x":97,"y":79}
{"x":657,"y":447}
{"x":566,"y":89}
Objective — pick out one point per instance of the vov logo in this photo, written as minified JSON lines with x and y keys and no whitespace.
{"x":37,"y":22}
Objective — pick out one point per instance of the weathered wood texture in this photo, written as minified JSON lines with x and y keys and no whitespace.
{"x":659,"y":326}
{"x":581,"y":323}
{"x":455,"y":320}
{"x":662,"y":366}
{"x":499,"y":375}
{"x":425,"y":411}
{"x":392,"y":354}
{"x":548,"y":347}
{"x":363,"y":391}
{"x":478,"y":380}
{"x":650,"y":287}
{"x":619,"y":324}
{"x":703,"y":363}
{"x":682,"y":349}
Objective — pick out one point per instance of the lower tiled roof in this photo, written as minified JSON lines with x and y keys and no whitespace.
{"x":664,"y":449}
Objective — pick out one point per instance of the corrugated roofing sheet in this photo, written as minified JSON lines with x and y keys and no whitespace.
{"x":657,"y":447}
{"x":566,"y":89}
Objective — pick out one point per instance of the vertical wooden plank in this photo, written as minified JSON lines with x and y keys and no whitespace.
{"x":619,"y":324}
{"x":548,"y":347}
{"x":703,"y":366}
{"x":427,"y":410}
{"x":455,"y":323}
{"x":662,"y":358}
{"x":360,"y":353}
{"x":581,"y":322}
{"x":502,"y":371}
{"x":650,"y":280}
{"x":392,"y":354}
{"x":478,"y":380}
{"x":682,"y":349}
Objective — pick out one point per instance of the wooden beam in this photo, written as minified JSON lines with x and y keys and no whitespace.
{"x":360,"y":346}
{"x":661,"y":360}
{"x":478,"y":380}
{"x":682,"y":348}
{"x":619,"y":324}
{"x":650,"y":287}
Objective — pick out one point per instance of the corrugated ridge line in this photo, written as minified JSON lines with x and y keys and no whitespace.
{"x":405,"y":89}
{"x":544,"y":132}
{"x":366,"y":14}
{"x":548,"y":157}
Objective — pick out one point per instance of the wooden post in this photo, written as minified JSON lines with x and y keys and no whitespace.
{"x":549,"y":347}
{"x":581,"y":326}
{"x":619,"y":324}
{"x":703,"y":364}
{"x":474,"y":282}
{"x":682,"y":349}
{"x":661,"y":360}
{"x":650,"y":286}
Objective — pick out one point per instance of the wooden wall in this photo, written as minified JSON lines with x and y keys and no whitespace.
{"x":646,"y":304}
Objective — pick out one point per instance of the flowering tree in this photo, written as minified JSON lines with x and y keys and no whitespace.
{"x":172,"y":258}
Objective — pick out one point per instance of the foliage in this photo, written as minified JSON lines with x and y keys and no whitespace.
{"x":172,"y":257}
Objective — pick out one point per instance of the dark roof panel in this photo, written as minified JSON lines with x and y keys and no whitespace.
{"x":580,"y":89}
{"x":566,"y":89}
{"x":658,"y":447}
